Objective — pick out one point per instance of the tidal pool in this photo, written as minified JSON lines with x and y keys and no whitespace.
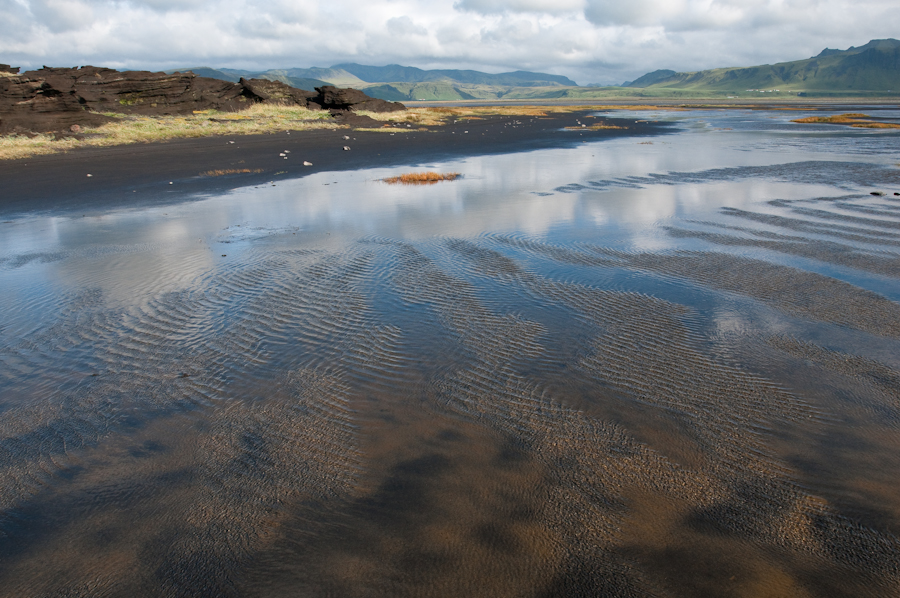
{"x":663,"y":366}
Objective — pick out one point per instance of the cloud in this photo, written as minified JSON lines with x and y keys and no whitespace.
{"x":62,"y":15}
{"x":590,"y":41}
{"x":487,"y":7}
{"x":673,"y":15}
{"x":403,"y":26}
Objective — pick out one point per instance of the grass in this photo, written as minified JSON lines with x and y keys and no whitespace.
{"x":597,"y":127}
{"x":231,"y":171}
{"x":259,"y":118}
{"x":265,"y":118}
{"x":421,"y":178}
{"x":854,"y":119}
{"x":441,"y":115}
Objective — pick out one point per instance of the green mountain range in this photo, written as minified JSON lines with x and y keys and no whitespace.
{"x":400,"y":83}
{"x":874,"y":67}
{"x":869,"y":70}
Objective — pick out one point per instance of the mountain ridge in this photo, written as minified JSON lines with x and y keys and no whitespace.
{"x":362,"y":76}
{"x":874,"y":66}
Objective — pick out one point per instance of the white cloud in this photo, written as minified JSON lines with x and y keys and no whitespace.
{"x":590,"y":41}
{"x":487,"y":7}
{"x":403,"y":26}
{"x":62,"y":15}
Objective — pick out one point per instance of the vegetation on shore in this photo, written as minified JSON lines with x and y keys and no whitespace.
{"x":259,"y":118}
{"x":421,"y":178}
{"x":854,"y":119}
{"x":268,"y":118}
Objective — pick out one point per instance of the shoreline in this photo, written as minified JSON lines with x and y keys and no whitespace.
{"x":168,"y":171}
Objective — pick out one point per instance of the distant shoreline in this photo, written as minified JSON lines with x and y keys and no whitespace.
{"x":169,"y":171}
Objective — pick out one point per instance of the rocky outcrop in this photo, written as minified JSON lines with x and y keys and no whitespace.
{"x":32,"y":104}
{"x":333,"y":98}
{"x":54,"y":99}
{"x":275,"y":92}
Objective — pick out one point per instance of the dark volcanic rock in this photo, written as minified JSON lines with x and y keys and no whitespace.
{"x":333,"y":98}
{"x":275,"y":92}
{"x":31,"y":104}
{"x":348,"y":117}
{"x":54,"y":99}
{"x":142,"y":92}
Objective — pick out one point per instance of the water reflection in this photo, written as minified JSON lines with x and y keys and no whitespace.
{"x":561,"y":372}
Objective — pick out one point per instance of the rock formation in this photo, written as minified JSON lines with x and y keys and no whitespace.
{"x":332,"y":98}
{"x":55,"y":99}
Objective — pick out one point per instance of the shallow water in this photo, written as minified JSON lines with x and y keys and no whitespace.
{"x":643,"y":366}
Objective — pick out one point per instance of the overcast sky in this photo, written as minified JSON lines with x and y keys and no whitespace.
{"x":591,"y":41}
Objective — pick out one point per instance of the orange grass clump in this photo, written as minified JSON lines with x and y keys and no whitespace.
{"x":230,"y":171}
{"x":598,"y":127}
{"x":421,"y":178}
{"x":838,"y":119}
{"x":874,"y":125}
{"x":854,"y":119}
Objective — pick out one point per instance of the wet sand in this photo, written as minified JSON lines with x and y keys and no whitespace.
{"x":140,"y":174}
{"x":471,"y":412}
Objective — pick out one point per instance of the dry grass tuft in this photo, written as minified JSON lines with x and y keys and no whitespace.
{"x":837,"y":119}
{"x":257,"y":119}
{"x":421,"y":178}
{"x":231,"y":171}
{"x":265,"y":118}
{"x":597,"y":127}
{"x":875,"y":125}
{"x":440,"y":115}
{"x":854,"y":119}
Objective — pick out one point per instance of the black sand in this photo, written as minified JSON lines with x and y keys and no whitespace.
{"x":134,"y":175}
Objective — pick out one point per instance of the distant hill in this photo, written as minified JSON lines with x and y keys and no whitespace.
{"x":399,"y":83}
{"x":872,"y":70}
{"x":872,"y":67}
{"x":651,"y":78}
{"x":394,"y":73}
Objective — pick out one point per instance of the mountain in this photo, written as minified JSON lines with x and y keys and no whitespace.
{"x":872,"y":67}
{"x":398,"y":83}
{"x":394,"y":73}
{"x":650,"y":78}
{"x":233,"y":75}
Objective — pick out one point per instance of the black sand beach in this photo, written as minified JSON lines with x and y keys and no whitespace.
{"x":133,"y":175}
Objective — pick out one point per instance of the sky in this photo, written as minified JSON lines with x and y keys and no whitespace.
{"x":590,"y":41}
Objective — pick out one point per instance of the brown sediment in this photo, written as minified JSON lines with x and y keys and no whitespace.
{"x":871,"y":379}
{"x":646,"y":352}
{"x":456,"y":443}
{"x":421,"y":178}
{"x":853,"y":119}
{"x":597,"y":127}
{"x":253,"y":453}
{"x":850,"y":233}
{"x":794,"y":291}
{"x":223,"y":172}
{"x":826,"y":251}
